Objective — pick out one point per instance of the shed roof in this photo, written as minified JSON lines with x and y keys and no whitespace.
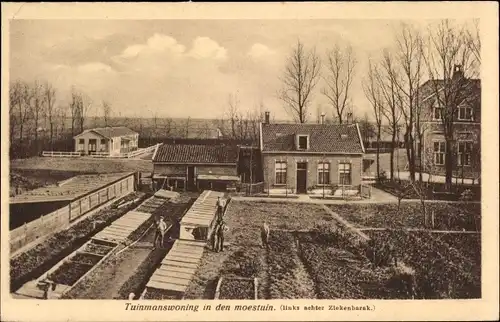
{"x":110,"y":132}
{"x":196,"y":154}
{"x":327,"y":138}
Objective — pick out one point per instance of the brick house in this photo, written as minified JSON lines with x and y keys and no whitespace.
{"x":110,"y":140}
{"x":466,"y":128}
{"x":311,"y":158}
{"x":195,"y":166}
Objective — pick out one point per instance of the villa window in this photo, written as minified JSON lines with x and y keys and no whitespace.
{"x":439,"y":152}
{"x":345,"y":174}
{"x":323,"y":173}
{"x":437,"y":113}
{"x":280,"y":171}
{"x":464,"y":153}
{"x":465,"y":113}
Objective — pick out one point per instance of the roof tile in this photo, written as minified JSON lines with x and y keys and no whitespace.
{"x":191,"y":153}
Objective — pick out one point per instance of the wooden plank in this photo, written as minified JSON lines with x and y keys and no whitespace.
{"x":183,"y":275}
{"x":182,"y":259}
{"x":136,"y":215}
{"x":187,"y":254}
{"x":188,"y":249}
{"x":122,"y":225}
{"x":184,"y":270}
{"x":130,"y":220}
{"x":165,"y":286}
{"x":191,"y":243}
{"x":119,"y":230}
{"x":109,"y":236}
{"x":170,"y":280}
{"x":179,"y":264}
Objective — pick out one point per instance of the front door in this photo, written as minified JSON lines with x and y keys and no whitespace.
{"x":190,"y":178}
{"x":302,"y":177}
{"x":92,"y":146}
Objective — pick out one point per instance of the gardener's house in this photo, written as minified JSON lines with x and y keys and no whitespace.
{"x":106,"y":140}
{"x":311,"y":158}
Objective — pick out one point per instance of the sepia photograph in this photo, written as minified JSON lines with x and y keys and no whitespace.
{"x":227,"y":159}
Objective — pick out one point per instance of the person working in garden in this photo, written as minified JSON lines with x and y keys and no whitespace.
{"x":264,"y":234}
{"x":220,"y":230}
{"x":221,"y":204}
{"x":161,"y":230}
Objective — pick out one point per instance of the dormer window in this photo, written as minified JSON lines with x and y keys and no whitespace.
{"x":302,"y":142}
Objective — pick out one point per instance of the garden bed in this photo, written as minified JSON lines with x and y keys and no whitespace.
{"x":446,"y":216}
{"x":94,"y":247}
{"x":236,"y":288}
{"x":339,"y":273}
{"x":34,"y":262}
{"x":441,"y":270}
{"x":69,"y":273}
{"x":157,"y":294}
{"x":433,"y":191}
{"x":288,"y":278}
{"x":87,"y":259}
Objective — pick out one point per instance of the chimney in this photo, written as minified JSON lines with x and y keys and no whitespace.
{"x":458,"y":71}
{"x":322,"y":118}
{"x":266,"y":120}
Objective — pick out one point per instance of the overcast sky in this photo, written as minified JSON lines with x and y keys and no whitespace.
{"x":181,"y":68}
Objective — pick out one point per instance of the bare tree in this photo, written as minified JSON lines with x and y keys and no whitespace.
{"x":74,"y":109}
{"x":84,"y":106}
{"x":20,"y":97}
{"x":450,"y":65}
{"x":37,"y":108}
{"x":50,"y":99}
{"x":233,"y":115}
{"x":338,"y":79}
{"x":373,"y":94}
{"x":392,"y":103}
{"x":301,"y":75}
{"x":106,"y":112}
{"x":187,"y":125}
{"x":474,"y":42}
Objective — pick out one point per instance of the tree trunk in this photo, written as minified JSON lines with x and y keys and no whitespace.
{"x":391,"y":162}
{"x":449,"y":163}
{"x":378,"y":152}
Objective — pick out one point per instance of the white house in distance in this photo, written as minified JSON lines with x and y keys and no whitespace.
{"x":112,"y":140}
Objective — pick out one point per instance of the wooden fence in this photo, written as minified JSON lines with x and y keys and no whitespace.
{"x":61,"y":154}
{"x":61,"y":218}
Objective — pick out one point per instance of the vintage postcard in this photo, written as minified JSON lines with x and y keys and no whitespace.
{"x":239,"y":161}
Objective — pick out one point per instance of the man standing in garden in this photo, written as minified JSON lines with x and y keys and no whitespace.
{"x":161,"y":230}
{"x":221,"y":203}
{"x":264,"y":234}
{"x":221,"y":229}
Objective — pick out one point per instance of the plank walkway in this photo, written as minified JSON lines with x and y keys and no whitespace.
{"x":121,"y":228}
{"x":178,"y":267}
{"x":203,"y":209}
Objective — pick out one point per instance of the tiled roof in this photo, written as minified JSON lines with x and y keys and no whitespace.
{"x":191,"y":153}
{"x":329,"y":138}
{"x":110,"y":132}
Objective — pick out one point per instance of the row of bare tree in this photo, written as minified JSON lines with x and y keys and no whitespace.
{"x":448,"y":58}
{"x":302,"y":74}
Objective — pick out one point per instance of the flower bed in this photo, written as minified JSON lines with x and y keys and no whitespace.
{"x":88,"y":259}
{"x":441,"y":270}
{"x":340,"y":274}
{"x":237,"y":289}
{"x":446,"y":216}
{"x":34,"y":262}
{"x":97,"y":249}
{"x":288,"y":278}
{"x":68,"y":273}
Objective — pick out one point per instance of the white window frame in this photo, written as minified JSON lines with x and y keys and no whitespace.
{"x":322,"y":170}
{"x":342,"y":170}
{"x":280,"y":170}
{"x":434,"y":113}
{"x":298,"y":142}
{"x":468,"y":153}
{"x":439,"y":152}
{"x":465,"y":108}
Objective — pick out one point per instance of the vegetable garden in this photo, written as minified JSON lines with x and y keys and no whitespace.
{"x":446,"y":216}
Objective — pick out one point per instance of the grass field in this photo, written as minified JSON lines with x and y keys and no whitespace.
{"x":88,"y":165}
